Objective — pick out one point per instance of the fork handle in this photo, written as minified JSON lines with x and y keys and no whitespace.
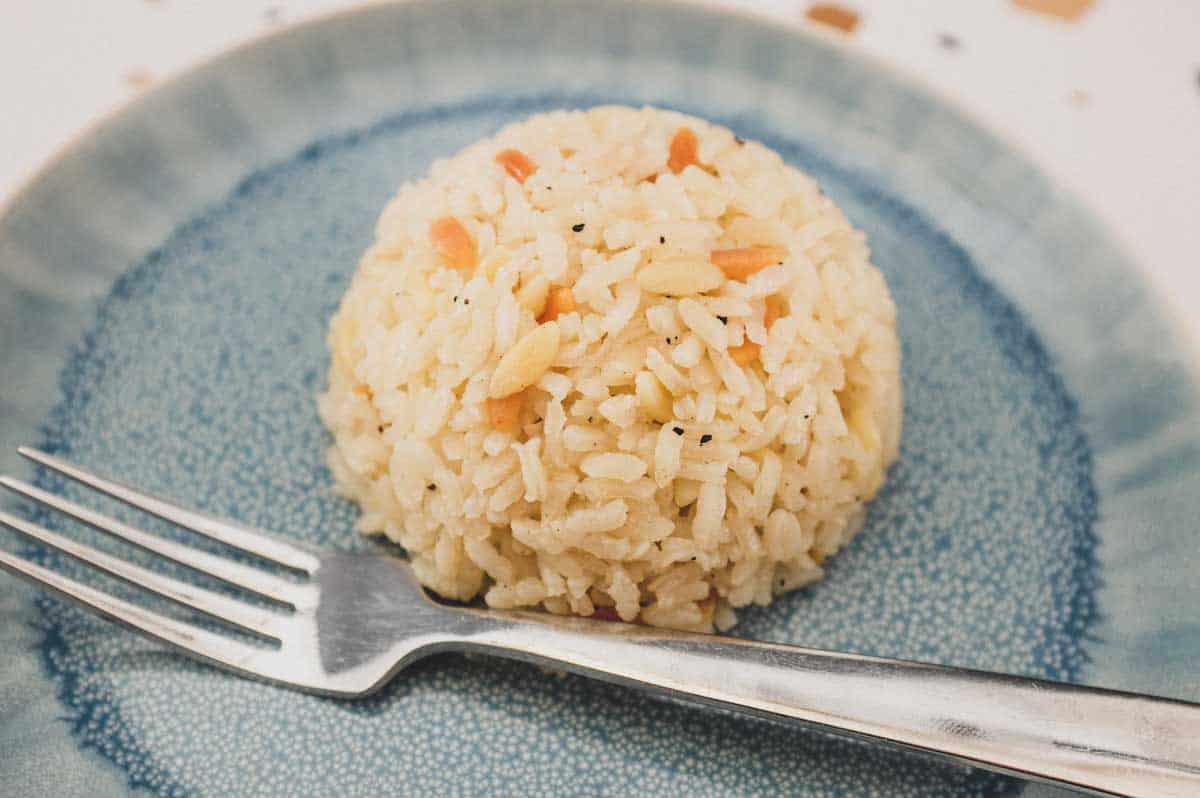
{"x":1100,"y":741}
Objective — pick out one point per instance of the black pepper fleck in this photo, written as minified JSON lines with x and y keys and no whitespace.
{"x":683,"y":511}
{"x":589,"y":419}
{"x":466,"y":301}
{"x":739,"y":140}
{"x":705,"y":438}
{"x":578,"y":228}
{"x":431,"y":486}
{"x":677,"y":430}
{"x":723,"y":319}
{"x":662,"y":239}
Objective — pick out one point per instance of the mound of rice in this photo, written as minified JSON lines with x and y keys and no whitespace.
{"x":616,"y":363}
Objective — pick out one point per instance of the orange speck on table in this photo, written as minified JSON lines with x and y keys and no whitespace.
{"x":505,"y":413}
{"x":453,"y":243}
{"x":561,"y":300}
{"x":516,"y":163}
{"x":833,"y":16}
{"x":139,"y":77}
{"x":746,"y":353}
{"x":741,"y":262}
{"x":684,"y":150}
{"x":1068,"y":10}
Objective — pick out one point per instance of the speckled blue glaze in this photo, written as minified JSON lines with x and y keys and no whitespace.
{"x":1030,"y":525}
{"x":962,"y":560}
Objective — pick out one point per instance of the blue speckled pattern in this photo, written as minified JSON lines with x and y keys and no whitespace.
{"x":191,"y":342}
{"x":962,"y":561}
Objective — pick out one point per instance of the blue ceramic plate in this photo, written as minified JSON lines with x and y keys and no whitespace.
{"x":164,"y":292}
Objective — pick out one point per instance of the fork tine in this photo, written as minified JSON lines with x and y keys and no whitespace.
{"x":214,"y":604}
{"x":232,"y":534}
{"x":234,"y":573}
{"x":195,"y":641}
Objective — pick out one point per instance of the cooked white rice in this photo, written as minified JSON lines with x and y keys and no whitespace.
{"x":614,"y":362}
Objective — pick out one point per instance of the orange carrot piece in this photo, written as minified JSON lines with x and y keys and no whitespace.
{"x":684,"y":150}
{"x":517,"y":164}
{"x":746,"y":353}
{"x":561,"y":300}
{"x":741,"y":262}
{"x":453,"y":243}
{"x":505,"y":414}
{"x":774,"y":310}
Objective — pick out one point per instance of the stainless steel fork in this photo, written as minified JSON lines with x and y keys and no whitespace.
{"x":353,"y":621}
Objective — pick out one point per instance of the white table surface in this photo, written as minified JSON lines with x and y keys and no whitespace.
{"x":1108,"y":103}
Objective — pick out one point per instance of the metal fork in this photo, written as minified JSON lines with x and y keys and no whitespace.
{"x":355,"y":620}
